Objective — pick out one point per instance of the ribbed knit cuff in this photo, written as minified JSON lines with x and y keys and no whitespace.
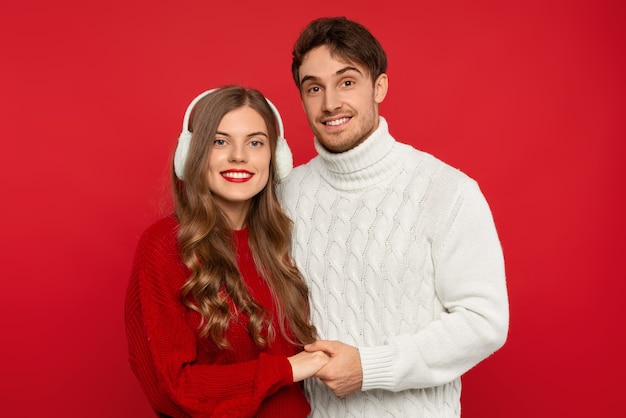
{"x":377,"y":367}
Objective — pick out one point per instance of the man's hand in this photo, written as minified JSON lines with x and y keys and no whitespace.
{"x":342,"y":374}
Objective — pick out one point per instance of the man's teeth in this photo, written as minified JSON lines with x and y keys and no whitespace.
{"x":337,"y":121}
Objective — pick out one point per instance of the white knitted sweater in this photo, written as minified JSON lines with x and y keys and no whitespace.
{"x":403,"y":261}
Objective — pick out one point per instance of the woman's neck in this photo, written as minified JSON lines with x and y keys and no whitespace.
{"x":236,"y":213}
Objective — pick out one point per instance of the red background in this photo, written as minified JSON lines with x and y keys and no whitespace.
{"x":526,"y":97}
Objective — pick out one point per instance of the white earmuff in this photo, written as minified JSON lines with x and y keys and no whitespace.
{"x":283,"y":158}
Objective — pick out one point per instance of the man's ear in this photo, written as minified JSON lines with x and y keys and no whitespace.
{"x":381,"y":85}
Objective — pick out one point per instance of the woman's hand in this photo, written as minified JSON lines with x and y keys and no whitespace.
{"x":304,"y":364}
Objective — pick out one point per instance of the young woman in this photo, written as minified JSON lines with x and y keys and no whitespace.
{"x":216,"y":312}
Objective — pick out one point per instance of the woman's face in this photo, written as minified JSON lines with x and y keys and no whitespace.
{"x":239,"y":162}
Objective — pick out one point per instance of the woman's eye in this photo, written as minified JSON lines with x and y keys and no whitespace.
{"x":219,"y":142}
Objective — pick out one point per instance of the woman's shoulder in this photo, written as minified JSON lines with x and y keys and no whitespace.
{"x":167,"y":223}
{"x":161,"y":232}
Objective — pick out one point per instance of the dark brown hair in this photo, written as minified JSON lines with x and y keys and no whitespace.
{"x":346,"y":39}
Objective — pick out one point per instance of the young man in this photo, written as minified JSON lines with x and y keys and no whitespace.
{"x":399,"y":249}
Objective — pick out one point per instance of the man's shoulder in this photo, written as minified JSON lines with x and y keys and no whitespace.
{"x":432,"y":167}
{"x":299,"y":173}
{"x":298,"y":181}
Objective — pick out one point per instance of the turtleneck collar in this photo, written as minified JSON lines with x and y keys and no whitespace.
{"x":369,"y":163}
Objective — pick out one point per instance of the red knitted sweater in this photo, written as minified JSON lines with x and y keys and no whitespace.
{"x":184,"y":375}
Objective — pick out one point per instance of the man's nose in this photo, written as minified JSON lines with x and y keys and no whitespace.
{"x":332,"y":100}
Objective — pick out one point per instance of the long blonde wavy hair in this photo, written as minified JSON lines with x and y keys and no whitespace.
{"x":206,"y":239}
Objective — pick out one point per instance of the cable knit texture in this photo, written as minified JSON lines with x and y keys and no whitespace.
{"x":404,"y":262}
{"x":184,"y":375}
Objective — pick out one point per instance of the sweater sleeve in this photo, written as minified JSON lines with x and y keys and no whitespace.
{"x":163,"y":346}
{"x":470,"y":283}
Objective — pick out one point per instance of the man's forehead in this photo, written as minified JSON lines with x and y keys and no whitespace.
{"x":339,"y":67}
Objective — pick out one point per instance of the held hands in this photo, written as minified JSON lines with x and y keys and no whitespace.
{"x":304,"y":364}
{"x":342,"y":373}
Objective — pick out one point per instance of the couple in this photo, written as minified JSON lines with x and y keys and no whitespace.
{"x":397,"y":251}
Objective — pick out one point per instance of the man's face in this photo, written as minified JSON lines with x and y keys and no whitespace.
{"x":339,"y":99}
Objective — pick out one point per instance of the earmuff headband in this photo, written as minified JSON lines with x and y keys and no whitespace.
{"x":283,"y":162}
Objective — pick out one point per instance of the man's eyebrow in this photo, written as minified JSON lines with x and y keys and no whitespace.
{"x":339,"y":72}
{"x":346,"y":69}
{"x":307,"y":78}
